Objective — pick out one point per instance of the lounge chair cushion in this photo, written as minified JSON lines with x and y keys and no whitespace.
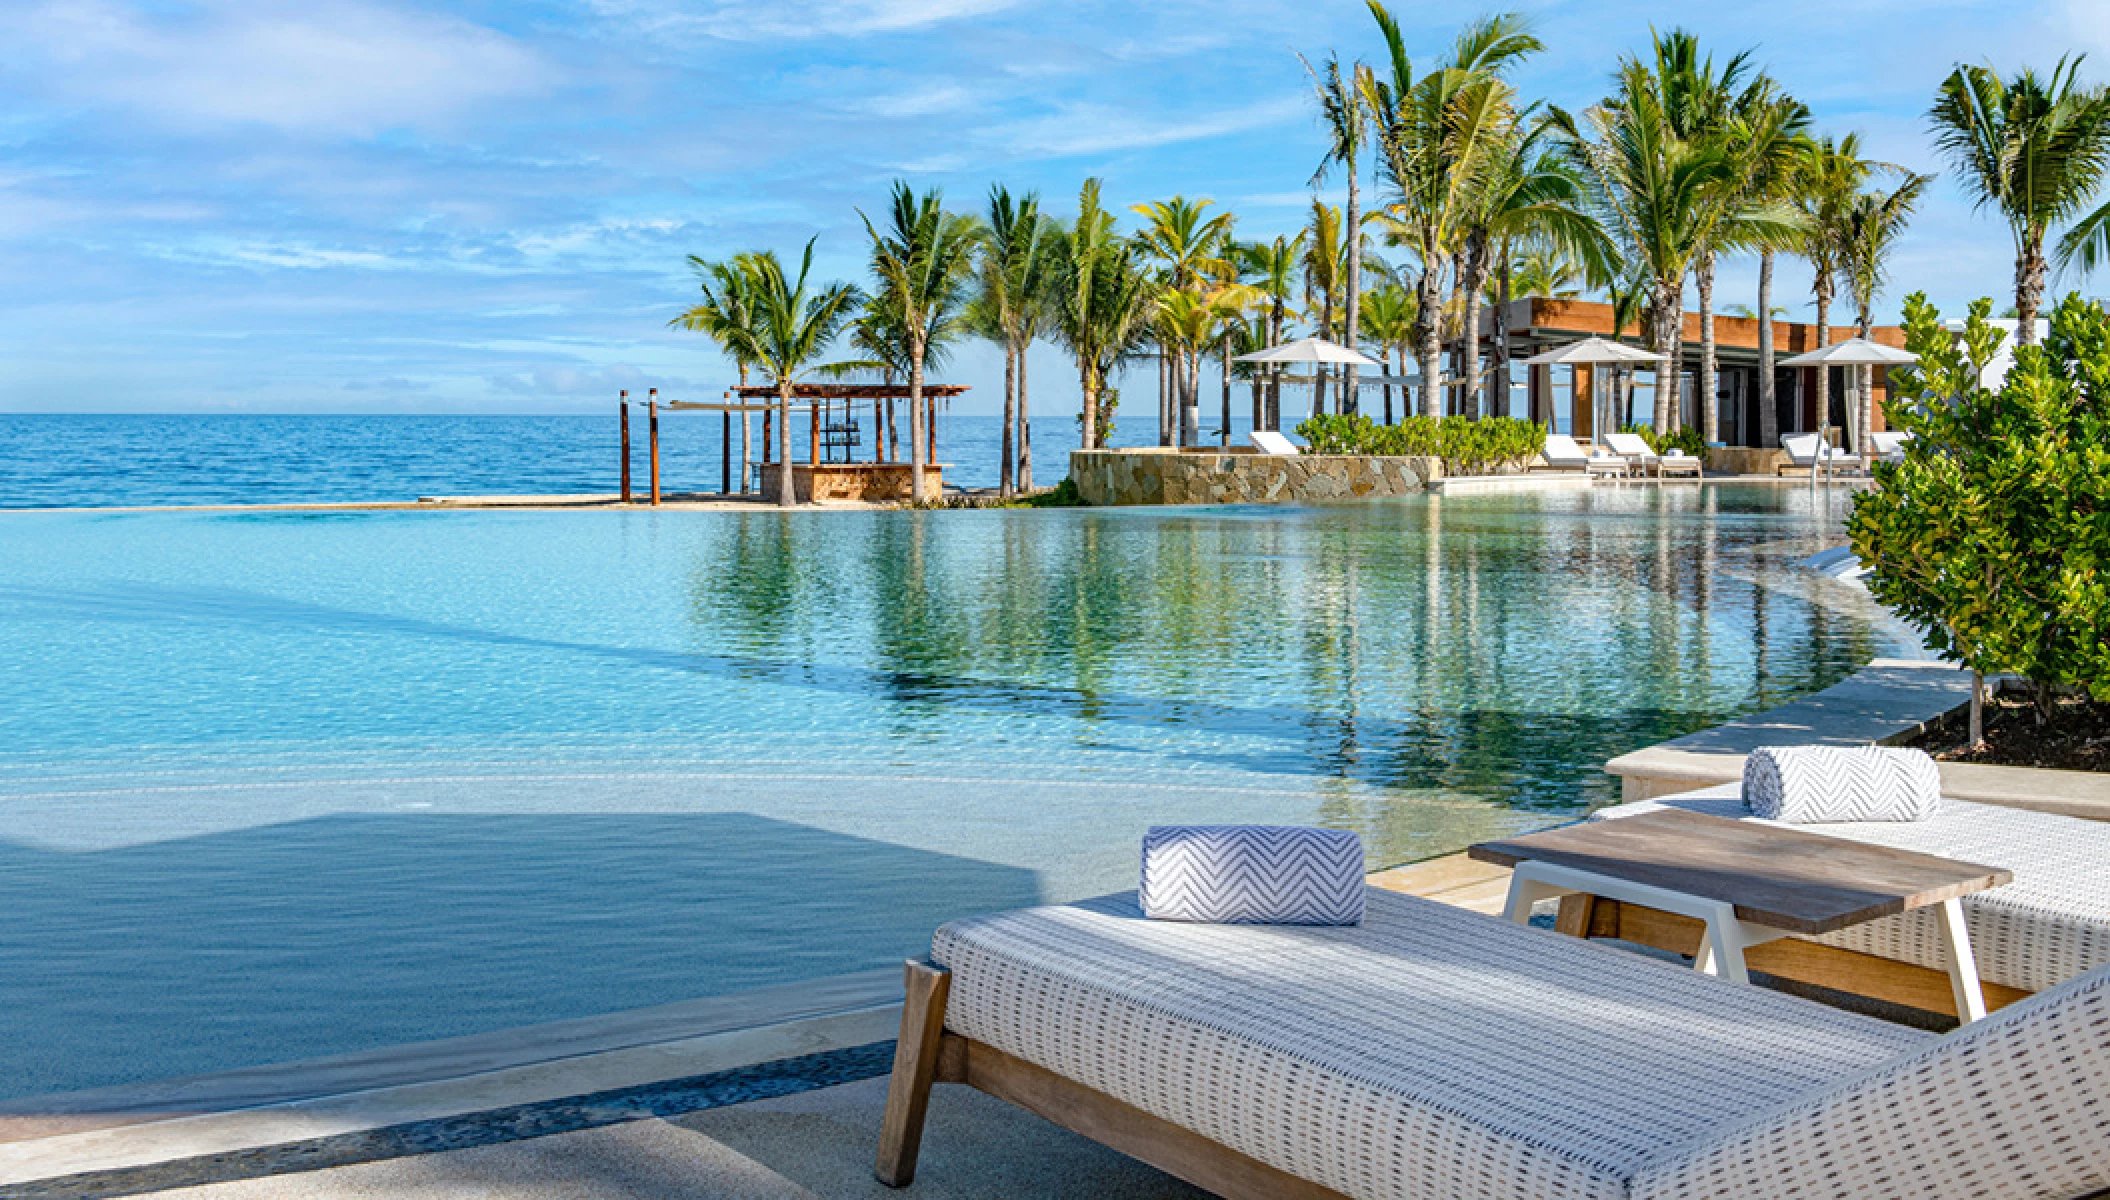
{"x":1252,"y":875}
{"x":1813,"y":785}
{"x":2051,"y":924}
{"x":1428,"y":1053}
{"x":2012,"y":1107}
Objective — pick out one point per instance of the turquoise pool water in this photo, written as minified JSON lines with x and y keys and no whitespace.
{"x":280,"y":785}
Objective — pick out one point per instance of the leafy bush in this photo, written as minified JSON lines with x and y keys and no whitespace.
{"x":1062,"y":495}
{"x":1466,"y":446}
{"x":1993,"y":534}
{"x":1687,"y":438}
{"x":1109,"y":403}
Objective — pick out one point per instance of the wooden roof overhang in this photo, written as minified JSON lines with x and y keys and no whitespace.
{"x":848,"y":391}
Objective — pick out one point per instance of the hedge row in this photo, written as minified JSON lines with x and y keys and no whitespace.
{"x":1467,"y":446}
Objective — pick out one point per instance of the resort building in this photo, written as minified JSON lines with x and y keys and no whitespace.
{"x":1563,"y":395}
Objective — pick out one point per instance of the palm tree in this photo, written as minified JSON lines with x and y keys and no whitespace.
{"x":1675,"y":184}
{"x":1532,"y":195}
{"x":922,"y":261}
{"x":791,"y":328}
{"x":1322,"y":263}
{"x":1758,"y":124}
{"x":1775,"y":183}
{"x":1103,"y":299}
{"x":1829,"y":178}
{"x":1018,"y":257}
{"x":1873,"y":226}
{"x":1345,"y":113}
{"x":727,"y":307}
{"x":1191,"y":247}
{"x":2034,"y":149}
{"x":1437,"y":135}
{"x":1273,"y":267}
{"x":1388,"y":328}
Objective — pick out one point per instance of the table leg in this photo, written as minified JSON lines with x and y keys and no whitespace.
{"x":1524,"y":892}
{"x":1963,"y":965}
{"x":1721,"y":950}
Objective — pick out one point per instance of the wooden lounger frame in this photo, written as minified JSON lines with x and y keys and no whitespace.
{"x":1907,"y":984}
{"x":929,"y":1053}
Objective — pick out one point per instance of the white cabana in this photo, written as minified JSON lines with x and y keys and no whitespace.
{"x":1853,"y":352}
{"x":1595,"y":352}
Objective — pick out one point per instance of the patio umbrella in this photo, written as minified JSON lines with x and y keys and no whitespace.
{"x":1853,"y":352}
{"x":1310,"y":350}
{"x":1594,"y":352}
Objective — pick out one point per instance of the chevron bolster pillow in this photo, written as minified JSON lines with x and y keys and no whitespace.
{"x":1252,"y":875}
{"x":1808,"y":785}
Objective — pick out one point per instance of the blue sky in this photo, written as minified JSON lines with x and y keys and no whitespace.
{"x":419,"y":205}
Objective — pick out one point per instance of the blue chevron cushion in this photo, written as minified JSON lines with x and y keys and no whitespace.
{"x":1252,"y":875}
{"x":1809,"y":785}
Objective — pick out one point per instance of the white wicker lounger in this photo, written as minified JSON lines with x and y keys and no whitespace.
{"x":1437,"y":1054}
{"x":2051,"y":924}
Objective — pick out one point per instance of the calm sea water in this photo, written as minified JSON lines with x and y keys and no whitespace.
{"x":276,"y":785}
{"x":63,"y":461}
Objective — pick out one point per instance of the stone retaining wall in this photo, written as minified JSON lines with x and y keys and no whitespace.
{"x":1162,"y":476}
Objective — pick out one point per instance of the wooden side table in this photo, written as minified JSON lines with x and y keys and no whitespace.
{"x":1747,"y":883}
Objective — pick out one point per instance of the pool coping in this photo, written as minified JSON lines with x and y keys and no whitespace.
{"x":133,"y":1127}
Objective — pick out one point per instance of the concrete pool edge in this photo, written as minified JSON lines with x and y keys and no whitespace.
{"x":590,"y":1056}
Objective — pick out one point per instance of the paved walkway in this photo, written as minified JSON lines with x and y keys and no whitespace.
{"x":814,"y":1145}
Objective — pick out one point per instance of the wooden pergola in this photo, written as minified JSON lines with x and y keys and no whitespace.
{"x":831,"y":409}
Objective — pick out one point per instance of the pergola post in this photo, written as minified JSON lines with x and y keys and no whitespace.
{"x":623,"y":405}
{"x":652,"y":406}
{"x":725,"y":454}
{"x":813,"y":448}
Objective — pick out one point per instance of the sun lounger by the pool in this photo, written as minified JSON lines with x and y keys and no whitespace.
{"x":1888,"y":446}
{"x":1436,"y":1054}
{"x":1267,"y":441}
{"x":2051,"y":924}
{"x":1803,"y":456}
{"x":1677,"y":462}
{"x":1563,"y":454}
{"x":1630,"y":447}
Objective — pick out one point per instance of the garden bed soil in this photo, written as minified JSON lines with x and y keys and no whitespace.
{"x":2075,"y":738}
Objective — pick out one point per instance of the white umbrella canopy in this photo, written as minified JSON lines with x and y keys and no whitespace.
{"x":1853,"y":352}
{"x":1592,"y":351}
{"x":1310,"y":350}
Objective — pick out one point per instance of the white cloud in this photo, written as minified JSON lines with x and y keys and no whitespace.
{"x":341,"y":66}
{"x":1092,"y":128}
{"x":769,"y":20}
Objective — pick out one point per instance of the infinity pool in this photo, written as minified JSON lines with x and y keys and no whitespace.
{"x":275,"y":786}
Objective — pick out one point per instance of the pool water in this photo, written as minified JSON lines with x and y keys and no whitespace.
{"x":279,"y":785}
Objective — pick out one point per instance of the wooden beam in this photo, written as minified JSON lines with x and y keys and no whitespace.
{"x":624,"y":405}
{"x":652,"y":407}
{"x":915,"y":1069}
{"x":1170,"y":1148}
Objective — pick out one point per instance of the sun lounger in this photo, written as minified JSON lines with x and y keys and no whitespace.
{"x":1437,"y":1054}
{"x":1630,"y":447}
{"x":1562,"y":454}
{"x":1677,"y":462}
{"x":2051,"y":924}
{"x":1888,"y":447}
{"x":1803,"y":455}
{"x":1267,"y":441}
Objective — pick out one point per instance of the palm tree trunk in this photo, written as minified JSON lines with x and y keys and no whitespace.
{"x":1191,"y":397}
{"x":1710,"y":393}
{"x":1768,"y":395}
{"x":1667,"y":319}
{"x":1470,"y":281}
{"x":1091,"y":405}
{"x":2029,"y":290}
{"x":1824,"y":374}
{"x":1223,"y":436}
{"x":1430,"y":340}
{"x":1025,"y":423}
{"x":785,"y":497}
{"x":1864,"y":392}
{"x":1004,"y":478}
{"x":1318,"y":387}
{"x":916,"y":444}
{"x":1164,"y":397}
{"x":1351,"y":399}
{"x":1500,"y":360}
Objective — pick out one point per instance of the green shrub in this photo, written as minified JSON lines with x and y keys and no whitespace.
{"x":1062,"y":495}
{"x":1109,"y":404}
{"x":1466,"y":446}
{"x":1687,"y":438}
{"x":1993,"y":534}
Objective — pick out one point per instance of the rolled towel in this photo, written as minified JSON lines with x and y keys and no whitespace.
{"x":1252,"y":875}
{"x":1809,"y":785}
